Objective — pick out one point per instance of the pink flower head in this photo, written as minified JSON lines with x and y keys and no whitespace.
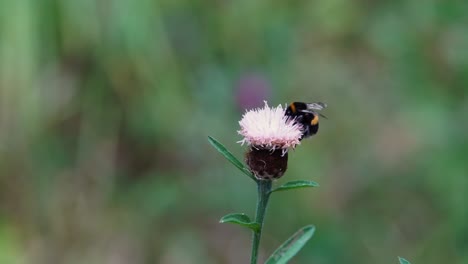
{"x":269,"y":128}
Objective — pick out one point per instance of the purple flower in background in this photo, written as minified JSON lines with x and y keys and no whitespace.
{"x":251,"y":90}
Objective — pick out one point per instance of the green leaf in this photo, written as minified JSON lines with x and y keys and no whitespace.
{"x":228,"y":155}
{"x":403,"y":261}
{"x":295,"y":185}
{"x":290,"y":248}
{"x":240,"y":219}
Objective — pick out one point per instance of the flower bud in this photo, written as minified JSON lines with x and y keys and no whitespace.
{"x":267,"y":164}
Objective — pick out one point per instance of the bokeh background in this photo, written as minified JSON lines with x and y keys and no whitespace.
{"x":106,"y":105}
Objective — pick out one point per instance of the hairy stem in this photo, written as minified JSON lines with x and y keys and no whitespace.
{"x":264,"y":188}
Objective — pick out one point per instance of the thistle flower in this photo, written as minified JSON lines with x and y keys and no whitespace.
{"x":269,"y":128}
{"x":269,"y":134}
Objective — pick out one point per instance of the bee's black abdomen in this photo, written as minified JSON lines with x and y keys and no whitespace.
{"x":311,"y":130}
{"x":310,"y":124}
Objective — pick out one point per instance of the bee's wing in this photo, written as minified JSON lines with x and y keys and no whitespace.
{"x":322,"y":115}
{"x":316,"y":106}
{"x":313,"y":107}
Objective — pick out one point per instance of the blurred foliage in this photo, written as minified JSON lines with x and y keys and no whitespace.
{"x":105,"y":108}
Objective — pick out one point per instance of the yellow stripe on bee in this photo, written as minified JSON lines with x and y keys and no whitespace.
{"x":293,"y":107}
{"x":314,"y":120}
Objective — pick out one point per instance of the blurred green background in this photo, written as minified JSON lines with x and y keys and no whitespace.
{"x":106,"y":105}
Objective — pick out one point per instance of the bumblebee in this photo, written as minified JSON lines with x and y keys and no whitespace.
{"x":307,"y":115}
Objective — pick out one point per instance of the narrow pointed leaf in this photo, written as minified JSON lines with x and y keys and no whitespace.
{"x":403,"y":261}
{"x":228,"y":155}
{"x":240,"y":219}
{"x":290,"y":248}
{"x":295,"y":185}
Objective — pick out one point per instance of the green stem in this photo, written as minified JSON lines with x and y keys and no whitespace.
{"x":264,"y":188}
